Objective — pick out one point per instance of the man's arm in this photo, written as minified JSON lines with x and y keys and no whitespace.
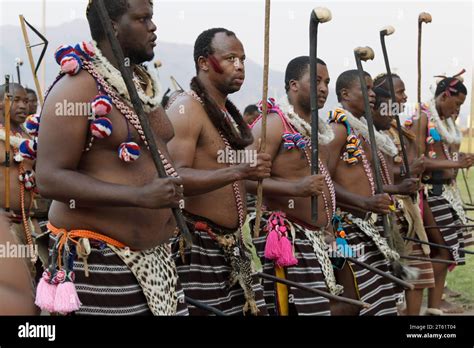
{"x":187,"y":117}
{"x":60,"y":148}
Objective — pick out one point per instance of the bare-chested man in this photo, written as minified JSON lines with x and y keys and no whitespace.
{"x":287,"y":196}
{"x":22,"y":157}
{"x":100,"y":174}
{"x":408,"y":214}
{"x":209,"y":132}
{"x":437,"y":136}
{"x":353,"y":175}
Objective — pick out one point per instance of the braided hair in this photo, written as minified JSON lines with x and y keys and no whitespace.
{"x":237,"y":141}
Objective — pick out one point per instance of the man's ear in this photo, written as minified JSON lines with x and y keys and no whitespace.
{"x":294,"y":85}
{"x":344,"y":94}
{"x":203,"y":64}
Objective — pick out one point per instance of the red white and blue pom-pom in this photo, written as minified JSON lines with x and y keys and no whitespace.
{"x":32,"y":124}
{"x":288,"y":142}
{"x":62,"y":51}
{"x":271,"y":106}
{"x":101,"y":105}
{"x":299,"y":141}
{"x":101,"y":128}
{"x":71,"y":64}
{"x":28,"y":149}
{"x":85,"y":49}
{"x":129,"y":151}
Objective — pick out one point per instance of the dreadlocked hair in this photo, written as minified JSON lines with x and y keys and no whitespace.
{"x":222,"y":125}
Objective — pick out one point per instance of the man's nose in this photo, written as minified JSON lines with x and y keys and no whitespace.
{"x":238,"y":64}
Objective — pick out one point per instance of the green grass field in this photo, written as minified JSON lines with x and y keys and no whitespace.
{"x":461,"y":279}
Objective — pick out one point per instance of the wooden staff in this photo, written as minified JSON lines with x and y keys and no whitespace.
{"x":420,"y":258}
{"x":263,"y":140}
{"x":318,"y":15}
{"x":440,"y":246}
{"x":7,"y":113}
{"x":205,"y":307}
{"x":471,"y":123}
{"x":464,"y":176}
{"x":364,"y":54}
{"x":450,"y":226}
{"x":34,"y":67}
{"x":137,"y":105}
{"x":424,"y":17}
{"x":387,"y":275}
{"x":386,"y":32}
{"x":19,"y":63}
{"x":314,"y":291}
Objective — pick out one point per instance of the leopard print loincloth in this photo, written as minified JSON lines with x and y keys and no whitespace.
{"x":157,"y":275}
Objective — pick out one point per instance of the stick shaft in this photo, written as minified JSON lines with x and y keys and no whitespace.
{"x":127,"y":76}
{"x":394,"y":100}
{"x":31,"y":60}
{"x":313,"y":68}
{"x":204,"y":306}
{"x":373,"y":144}
{"x":7,"y":110}
{"x":394,"y":279}
{"x":419,"y":134}
{"x":468,"y":190}
{"x":440,"y":246}
{"x":471,"y":118}
{"x":407,"y":257}
{"x":266,"y":60}
{"x":314,"y":291}
{"x":18,"y":74}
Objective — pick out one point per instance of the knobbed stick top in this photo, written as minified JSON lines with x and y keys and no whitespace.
{"x":365,"y":53}
{"x":424,"y":17}
{"x":388,"y":30}
{"x":322,"y":14}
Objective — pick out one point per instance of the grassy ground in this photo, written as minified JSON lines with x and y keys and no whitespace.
{"x":462,"y":278}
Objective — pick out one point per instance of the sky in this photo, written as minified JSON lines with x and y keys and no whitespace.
{"x":447,"y":41}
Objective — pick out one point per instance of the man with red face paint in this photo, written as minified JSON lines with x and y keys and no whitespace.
{"x":209,"y":152}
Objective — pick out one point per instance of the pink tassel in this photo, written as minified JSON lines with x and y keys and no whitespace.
{"x":66,"y":300}
{"x":272,"y":246}
{"x":45,"y":295}
{"x":286,"y":253}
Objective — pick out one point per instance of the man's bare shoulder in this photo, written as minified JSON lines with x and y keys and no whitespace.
{"x":186,"y":105}
{"x":80,"y":87}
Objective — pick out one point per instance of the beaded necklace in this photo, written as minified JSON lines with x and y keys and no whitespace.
{"x":235,"y":185}
{"x":387,"y":180}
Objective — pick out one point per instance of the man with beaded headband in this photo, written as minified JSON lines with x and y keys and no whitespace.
{"x":353,"y":176}
{"x":290,"y":245}
{"x":438,"y":137}
{"x":110,"y":220}
{"x":408,"y":215}
{"x":21,"y":176}
{"x":209,"y":133}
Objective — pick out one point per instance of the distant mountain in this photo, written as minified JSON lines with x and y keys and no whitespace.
{"x":177,"y":60}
